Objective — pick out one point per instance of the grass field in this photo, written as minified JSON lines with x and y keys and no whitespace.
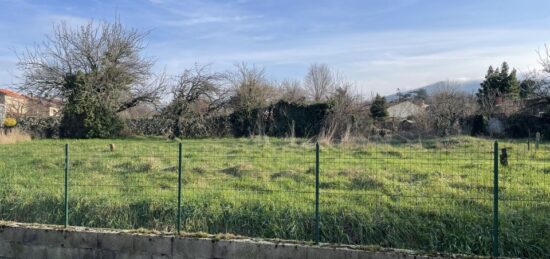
{"x":434,"y":195}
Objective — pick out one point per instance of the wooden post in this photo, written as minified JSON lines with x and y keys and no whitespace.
{"x":504,"y":157}
{"x":537,"y":140}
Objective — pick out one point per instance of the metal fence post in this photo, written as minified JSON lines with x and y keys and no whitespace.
{"x":495,"y":202}
{"x":178,"y":221}
{"x":66,"y":185}
{"x":317,"y":216}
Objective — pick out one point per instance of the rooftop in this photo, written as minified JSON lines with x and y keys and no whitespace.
{"x":12,"y":93}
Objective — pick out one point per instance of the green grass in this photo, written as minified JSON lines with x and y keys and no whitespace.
{"x":434,"y":195}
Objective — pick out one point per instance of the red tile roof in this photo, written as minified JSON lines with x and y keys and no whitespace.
{"x":50,"y":102}
{"x":12,"y":93}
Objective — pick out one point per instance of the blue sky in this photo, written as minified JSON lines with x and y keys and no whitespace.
{"x":379,"y":45}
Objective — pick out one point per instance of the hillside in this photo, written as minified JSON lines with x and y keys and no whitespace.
{"x":467,"y":86}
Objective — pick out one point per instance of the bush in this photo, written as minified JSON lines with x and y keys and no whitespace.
{"x":280,"y":120}
{"x":518,"y":125}
{"x":161,"y":126}
{"x":522,"y":125}
{"x":306,"y":119}
{"x":90,"y":122}
{"x":154,"y":126}
{"x":378,"y":108}
{"x":47,"y":127}
{"x":10,"y":122}
{"x":479,"y":125}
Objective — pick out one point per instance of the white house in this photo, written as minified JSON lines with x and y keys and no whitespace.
{"x":405,"y":110}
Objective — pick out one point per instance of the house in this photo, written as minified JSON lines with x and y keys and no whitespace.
{"x":406,"y":109}
{"x":13,"y":104}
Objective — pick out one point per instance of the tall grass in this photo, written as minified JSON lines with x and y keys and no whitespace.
{"x":13,"y":136}
{"x":434,"y":195}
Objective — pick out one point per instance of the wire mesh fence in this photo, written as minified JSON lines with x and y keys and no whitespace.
{"x":436,"y":195}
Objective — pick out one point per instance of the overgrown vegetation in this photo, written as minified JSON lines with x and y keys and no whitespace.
{"x":107,"y":89}
{"x":433,"y":195}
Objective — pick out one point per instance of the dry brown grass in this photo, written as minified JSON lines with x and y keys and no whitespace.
{"x":14,"y":136}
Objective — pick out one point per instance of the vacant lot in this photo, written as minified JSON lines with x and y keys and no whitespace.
{"x":432,"y":195}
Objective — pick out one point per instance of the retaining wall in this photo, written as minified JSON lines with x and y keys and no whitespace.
{"x":40,"y":241}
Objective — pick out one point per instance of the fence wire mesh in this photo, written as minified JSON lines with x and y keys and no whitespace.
{"x":433,"y":195}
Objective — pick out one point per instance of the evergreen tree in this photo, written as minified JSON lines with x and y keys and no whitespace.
{"x":509,"y":84}
{"x":378,"y":108}
{"x":499,"y":83}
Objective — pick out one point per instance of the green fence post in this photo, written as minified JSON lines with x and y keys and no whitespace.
{"x":178,"y":221}
{"x":66,"y":185}
{"x":317,"y":216}
{"x":495,"y":202}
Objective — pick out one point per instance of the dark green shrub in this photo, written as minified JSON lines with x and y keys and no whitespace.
{"x":47,"y":127}
{"x":90,"y":122}
{"x":378,"y":108}
{"x":478,"y":125}
{"x":307,"y":120}
{"x":280,"y":119}
{"x":522,"y":125}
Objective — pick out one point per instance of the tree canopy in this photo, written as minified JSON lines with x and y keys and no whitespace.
{"x":498,"y":83}
{"x":96,"y":70}
{"x":378,"y":108}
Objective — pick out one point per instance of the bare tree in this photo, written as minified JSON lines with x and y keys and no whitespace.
{"x":320,"y":82}
{"x":250,"y":91}
{"x":140,"y":111}
{"x":250,"y":88}
{"x":487,"y":104}
{"x":347,"y":110}
{"x":96,"y":70}
{"x":292,"y":91}
{"x":106,"y":55}
{"x":542,"y":90}
{"x":447,"y":106}
{"x":540,"y":95}
{"x":197,"y":93}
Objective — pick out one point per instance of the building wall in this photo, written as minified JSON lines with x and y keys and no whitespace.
{"x":2,"y":114}
{"x":15,"y":106}
{"x":38,"y":109}
{"x":18,"y":106}
{"x":2,"y":110}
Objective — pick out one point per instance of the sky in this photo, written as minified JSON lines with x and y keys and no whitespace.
{"x":380,"y":45}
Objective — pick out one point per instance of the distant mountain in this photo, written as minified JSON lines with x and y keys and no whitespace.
{"x":467,"y":86}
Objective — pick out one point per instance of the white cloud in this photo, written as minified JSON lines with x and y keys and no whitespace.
{"x":204,"y":19}
{"x":379,"y":61}
{"x":382,"y":62}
